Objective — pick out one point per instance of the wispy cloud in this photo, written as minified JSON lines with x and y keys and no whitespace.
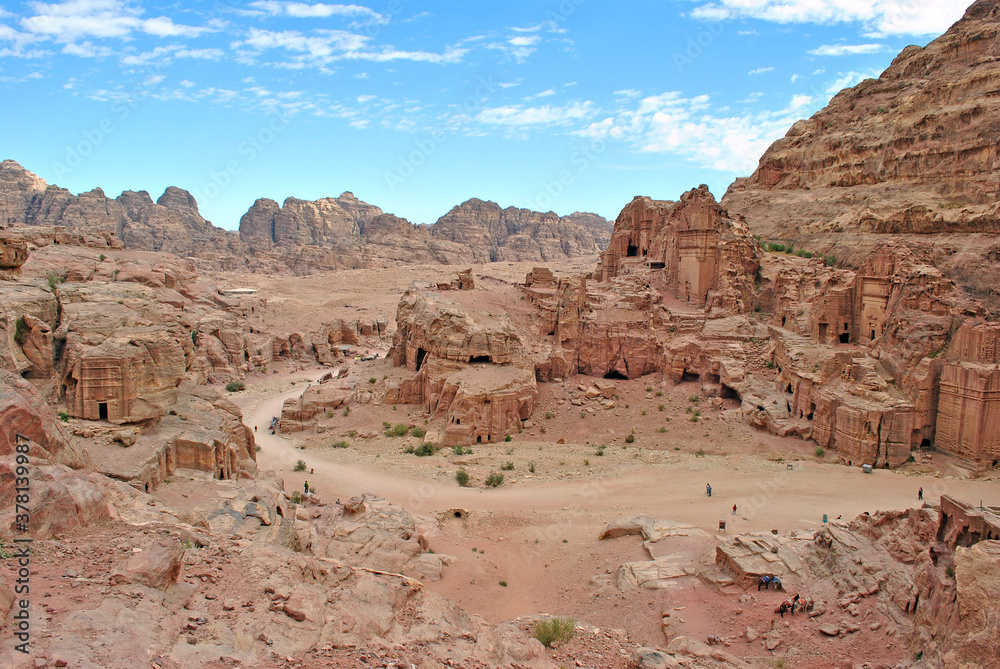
{"x":76,"y":19}
{"x":880,"y":17}
{"x":846,"y":49}
{"x":760,"y":70}
{"x":316,"y":11}
{"x":519,"y":116}
{"x":321,"y":47}
{"x":705,"y":134}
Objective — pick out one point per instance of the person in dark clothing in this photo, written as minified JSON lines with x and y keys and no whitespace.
{"x":305,"y":486}
{"x":708,"y":489}
{"x":920,"y":494}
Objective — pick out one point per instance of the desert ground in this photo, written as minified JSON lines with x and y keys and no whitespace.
{"x":531,"y":545}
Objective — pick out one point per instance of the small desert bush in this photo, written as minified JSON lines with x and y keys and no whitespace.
{"x":63,"y":416}
{"x":300,"y":466}
{"x":461,"y":450}
{"x":507,"y":438}
{"x":340,"y":444}
{"x":462,"y":478}
{"x":549,"y":414}
{"x":296,"y":497}
{"x":508,"y":466}
{"x":418,"y":432}
{"x":493,"y":480}
{"x":235,"y":386}
{"x":423,"y":450}
{"x":600,"y":449}
{"x":531,"y":467}
{"x":694,"y":399}
{"x":820,"y":451}
{"x":552,"y":631}
{"x":630,"y":439}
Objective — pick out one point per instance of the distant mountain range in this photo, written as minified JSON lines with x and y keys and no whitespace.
{"x":301,"y":235}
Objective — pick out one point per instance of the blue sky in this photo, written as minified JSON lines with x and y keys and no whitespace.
{"x":568,"y":105}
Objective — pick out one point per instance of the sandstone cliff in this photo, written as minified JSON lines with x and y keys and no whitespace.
{"x":911,"y":153}
{"x":172,"y":224}
{"x":345,"y":232}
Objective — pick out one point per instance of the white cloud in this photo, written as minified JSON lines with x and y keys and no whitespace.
{"x":154,"y":80}
{"x":628,"y":93}
{"x":322,"y":47}
{"x":74,"y":19}
{"x":519,"y":116}
{"x":796,"y":77}
{"x":880,"y":17}
{"x":524,"y":40}
{"x":87,"y":50}
{"x":710,"y":136}
{"x":760,"y":70}
{"x":846,"y":49}
{"x":319,"y":10}
{"x":361,"y":124}
{"x":362,"y":99}
{"x":544,"y":94}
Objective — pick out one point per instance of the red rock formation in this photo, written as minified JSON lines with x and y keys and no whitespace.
{"x":471,"y":372}
{"x":910,"y":153}
{"x":705,"y":256}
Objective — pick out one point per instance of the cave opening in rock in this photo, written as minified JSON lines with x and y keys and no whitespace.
{"x":824,"y":329}
{"x":479,"y":439}
{"x":632,"y":251}
{"x":790,"y":389}
{"x":657,"y":265}
{"x":713,"y":378}
{"x":690,"y":376}
{"x":812,"y":411}
{"x":926,"y":444}
{"x":845,"y":337}
{"x":479,"y":359}
{"x":421,"y":354}
{"x":616,"y":375}
{"x":728,"y":393}
{"x":102,"y":410}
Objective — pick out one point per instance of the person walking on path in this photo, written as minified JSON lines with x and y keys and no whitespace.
{"x":920,"y":494}
{"x":305,"y":486}
{"x":734,"y":509}
{"x":708,"y":489}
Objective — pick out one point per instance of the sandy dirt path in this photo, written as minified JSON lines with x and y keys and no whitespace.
{"x":540,"y":537}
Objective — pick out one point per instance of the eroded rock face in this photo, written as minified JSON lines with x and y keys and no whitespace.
{"x":471,"y":371}
{"x":172,"y":225}
{"x":907,"y":154}
{"x":706,"y":256}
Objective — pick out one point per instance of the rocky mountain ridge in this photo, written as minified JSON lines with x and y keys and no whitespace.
{"x":301,"y":236}
{"x":910,"y":154}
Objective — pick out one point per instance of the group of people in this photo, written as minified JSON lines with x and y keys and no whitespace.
{"x":274,"y":423}
{"x":794,"y":605}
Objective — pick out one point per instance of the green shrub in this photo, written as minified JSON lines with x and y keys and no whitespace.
{"x":507,"y":466}
{"x":63,"y":416}
{"x":53,"y":280}
{"x":373,"y":380}
{"x":493,"y":480}
{"x":531,"y":467}
{"x":347,"y":411}
{"x":549,"y":415}
{"x":586,"y":463}
{"x":660,"y":407}
{"x":461,"y":450}
{"x":102,"y":257}
{"x":694,"y":399}
{"x":659,"y":393}
{"x":300,"y":466}
{"x":340,"y":444}
{"x":399,"y":430}
{"x":425,"y":449}
{"x":820,"y":451}
{"x":662,"y":430}
{"x":552,"y":631}
{"x":770,"y":364}
{"x":830,"y":260}
{"x":503,"y":584}
{"x":418,"y":432}
{"x":296,"y":497}
{"x":630,"y":439}
{"x":235,"y":386}
{"x":700,"y":453}
{"x":507,"y":438}
{"x":20,"y":331}
{"x":949,"y":571}
{"x":600,"y":449}
{"x":462,"y":477}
